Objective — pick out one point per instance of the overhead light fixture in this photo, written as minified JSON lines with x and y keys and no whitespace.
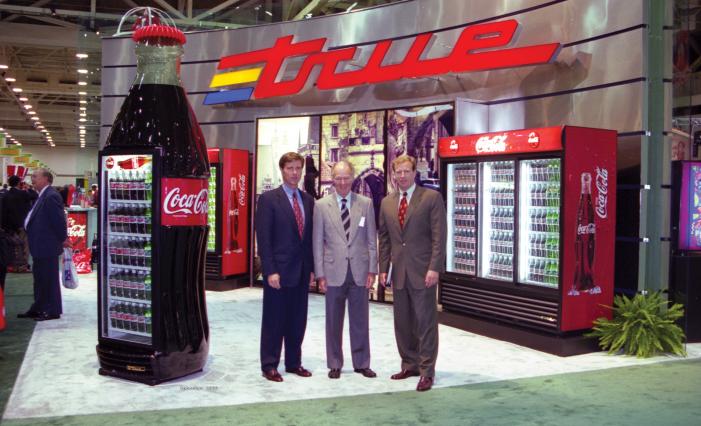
{"x":81,"y":55}
{"x":83,"y":101}
{"x":83,"y":108}
{"x":82,"y":83}
{"x":23,"y":98}
{"x":82,"y":71}
{"x":83,"y":93}
{"x":31,"y":112}
{"x":82,"y":114}
{"x":10,"y":79}
{"x":82,"y":131}
{"x":16,"y":89}
{"x":34,"y":117}
{"x":81,"y":127}
{"x":27,"y":106}
{"x":3,"y":67}
{"x":269,"y":13}
{"x":1,"y":129}
{"x":82,"y":120}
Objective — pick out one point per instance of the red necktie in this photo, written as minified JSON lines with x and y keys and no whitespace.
{"x":402,"y":210}
{"x":298,"y":214}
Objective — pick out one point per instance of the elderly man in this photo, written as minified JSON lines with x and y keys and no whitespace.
{"x":47,"y":233}
{"x":412,"y":234}
{"x":345,"y":260}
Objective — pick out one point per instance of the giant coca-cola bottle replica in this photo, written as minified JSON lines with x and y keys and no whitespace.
{"x":152,"y":312}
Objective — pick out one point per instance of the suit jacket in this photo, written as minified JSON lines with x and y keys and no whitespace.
{"x":15,"y":207}
{"x":47,"y":228}
{"x":333,"y":252}
{"x":280,"y":247}
{"x":420,"y":245}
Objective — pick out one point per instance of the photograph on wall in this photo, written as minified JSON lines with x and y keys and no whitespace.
{"x":415,"y":131}
{"x":359,"y":139}
{"x":276,"y":136}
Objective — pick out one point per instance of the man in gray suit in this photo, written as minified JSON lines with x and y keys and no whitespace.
{"x":345,"y":261}
{"x":412,"y":234}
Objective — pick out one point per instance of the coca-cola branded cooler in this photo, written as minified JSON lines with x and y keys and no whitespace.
{"x":227,"y":243}
{"x":531,"y":226}
{"x":144,"y":308}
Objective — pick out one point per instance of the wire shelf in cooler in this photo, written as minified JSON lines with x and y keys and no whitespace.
{"x":137,"y":268}
{"x":129,"y":299}
{"x":130,"y":234}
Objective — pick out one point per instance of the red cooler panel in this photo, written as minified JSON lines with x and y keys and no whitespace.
{"x":234,"y":228}
{"x":589,"y":226}
{"x":513,"y":142}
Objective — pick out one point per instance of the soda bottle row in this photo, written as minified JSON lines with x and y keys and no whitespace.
{"x":502,"y":196}
{"x":130,"y":251}
{"x":501,"y":265}
{"x":131,"y":184}
{"x":545,"y":170}
{"x":545,"y":245}
{"x":464,"y":244}
{"x":130,"y":283}
{"x":130,"y":218}
{"x":464,"y":222}
{"x":502,"y":218}
{"x":212,"y":210}
{"x":465,"y":174}
{"x":464,"y":261}
{"x":543,"y":271}
{"x":465,"y":198}
{"x":545,"y":220}
{"x":502,"y":242}
{"x":545,"y":194}
{"x":465,"y":233}
{"x":127,"y":316}
{"x":466,"y":210}
{"x":502,"y":171}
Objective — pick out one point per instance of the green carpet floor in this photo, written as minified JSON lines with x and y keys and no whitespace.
{"x":660,"y":394}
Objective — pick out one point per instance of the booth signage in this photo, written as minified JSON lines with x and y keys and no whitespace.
{"x":184,"y":202}
{"x":479,"y":48}
{"x":517,"y":141}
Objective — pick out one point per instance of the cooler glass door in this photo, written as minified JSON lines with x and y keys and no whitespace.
{"x":126,"y":250}
{"x":212,"y":210}
{"x":462,"y":211}
{"x":539,"y":222}
{"x":496,"y":213}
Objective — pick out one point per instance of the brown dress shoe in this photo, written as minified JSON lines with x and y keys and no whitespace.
{"x":334,"y":373}
{"x":425,"y":383}
{"x":404,"y":374}
{"x":300,"y":371}
{"x":366,"y":372}
{"x":272,"y":375}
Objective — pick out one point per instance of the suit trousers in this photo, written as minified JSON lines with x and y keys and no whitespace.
{"x":47,"y":287}
{"x":416,"y":328}
{"x":358,"y":318}
{"x":284,"y":321}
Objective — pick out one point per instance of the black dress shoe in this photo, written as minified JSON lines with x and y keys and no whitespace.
{"x":404,"y":374}
{"x":334,"y":373}
{"x":28,"y":314}
{"x":272,"y":375}
{"x":43,"y":316}
{"x":300,"y":371}
{"x":424,"y":384}
{"x":366,"y":372}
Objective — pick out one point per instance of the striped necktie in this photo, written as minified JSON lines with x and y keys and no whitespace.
{"x":345,"y":217}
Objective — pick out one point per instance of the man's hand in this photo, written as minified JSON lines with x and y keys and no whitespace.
{"x":322,"y":284}
{"x":431,"y":278}
{"x":274,"y":281}
{"x":370,"y":281}
{"x":383,"y":279}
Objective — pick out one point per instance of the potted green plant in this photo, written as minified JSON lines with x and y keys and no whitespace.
{"x":642,"y":326}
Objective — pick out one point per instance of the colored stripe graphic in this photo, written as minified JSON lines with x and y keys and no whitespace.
{"x":235,"y":77}
{"x":225,"y":96}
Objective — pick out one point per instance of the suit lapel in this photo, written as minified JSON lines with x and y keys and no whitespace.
{"x":335,"y":213}
{"x":355,"y":214}
{"x":282,"y":199}
{"x":413,"y":204}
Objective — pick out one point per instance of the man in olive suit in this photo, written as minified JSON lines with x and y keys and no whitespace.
{"x":345,"y":261}
{"x":412,"y":234}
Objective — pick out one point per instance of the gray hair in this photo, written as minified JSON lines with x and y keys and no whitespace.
{"x":47,"y":174}
{"x":345,"y":163}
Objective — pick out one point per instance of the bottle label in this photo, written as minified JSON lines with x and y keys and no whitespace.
{"x":184,"y":202}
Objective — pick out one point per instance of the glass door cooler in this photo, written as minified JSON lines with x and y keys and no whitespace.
{"x":531,"y":226}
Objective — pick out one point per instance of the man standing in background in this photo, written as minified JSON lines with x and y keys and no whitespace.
{"x":345,"y":259}
{"x":284,"y":234}
{"x":412,"y":236}
{"x":46,"y":229}
{"x":15,"y":207}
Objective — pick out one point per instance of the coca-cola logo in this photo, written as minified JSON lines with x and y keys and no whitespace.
{"x":175,"y":202}
{"x":586,"y":229}
{"x":454,"y":145}
{"x":496,"y":143}
{"x":109,"y":163}
{"x":602,"y":187}
{"x":74,"y":229}
{"x":242,"y":190}
{"x":533,"y":139}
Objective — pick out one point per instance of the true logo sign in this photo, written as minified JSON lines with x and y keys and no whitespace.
{"x":478,"y":48}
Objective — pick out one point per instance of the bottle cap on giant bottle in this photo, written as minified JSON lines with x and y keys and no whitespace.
{"x":152,"y":26}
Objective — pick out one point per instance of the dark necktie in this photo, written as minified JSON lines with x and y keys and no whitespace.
{"x":345,"y":217}
{"x":402,"y":210}
{"x":298,"y":214}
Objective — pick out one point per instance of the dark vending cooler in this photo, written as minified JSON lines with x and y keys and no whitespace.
{"x":227,"y":243}
{"x":531,"y":226}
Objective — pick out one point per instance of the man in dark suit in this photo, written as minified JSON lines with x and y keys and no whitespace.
{"x":46,"y":229}
{"x":284,"y":229}
{"x":14,"y":211}
{"x":412,"y":234}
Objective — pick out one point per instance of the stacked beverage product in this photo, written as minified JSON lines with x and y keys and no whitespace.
{"x":212,"y":210}
{"x":501,"y":218}
{"x":464,"y":218}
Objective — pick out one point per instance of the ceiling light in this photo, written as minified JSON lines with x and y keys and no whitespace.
{"x":83,"y":93}
{"x":82,"y":120}
{"x":82,"y":114}
{"x":81,"y":55}
{"x":83,"y":108}
{"x":10,"y":79}
{"x":1,"y":129}
{"x":82,"y":83}
{"x":31,"y":112}
{"x":3,"y":67}
{"x":23,"y":98}
{"x":34,"y":117}
{"x":40,"y":126}
{"x":81,"y":127}
{"x":82,"y":71}
{"x":83,"y":101}
{"x":269,"y":13}
{"x":27,"y":106}
{"x":16,"y":89}
{"x":82,"y":131}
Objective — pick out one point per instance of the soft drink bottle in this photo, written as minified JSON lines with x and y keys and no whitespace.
{"x":585,"y":240}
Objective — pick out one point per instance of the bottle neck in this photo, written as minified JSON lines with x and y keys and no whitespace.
{"x":156,"y":64}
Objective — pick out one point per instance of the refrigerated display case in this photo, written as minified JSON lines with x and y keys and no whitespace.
{"x":228,"y":212}
{"x":531,"y":226}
